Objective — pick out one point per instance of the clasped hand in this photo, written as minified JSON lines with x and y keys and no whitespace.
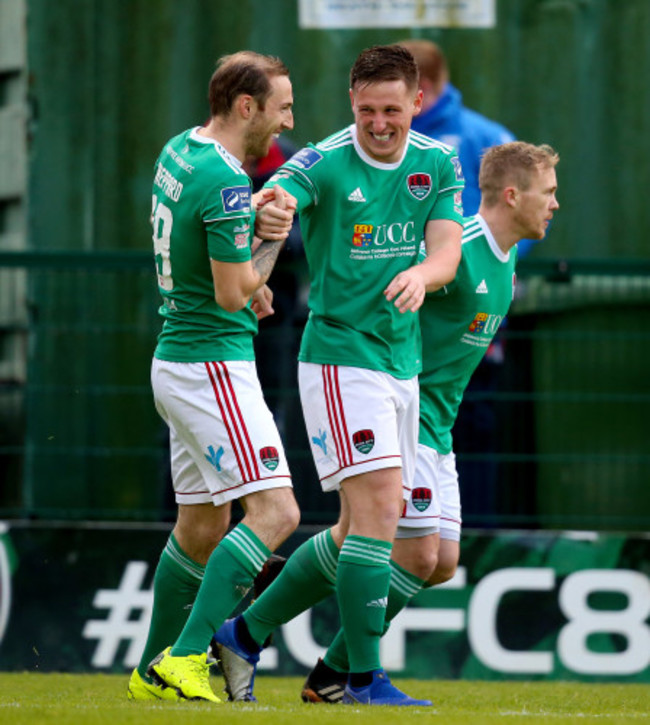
{"x":274,"y":210}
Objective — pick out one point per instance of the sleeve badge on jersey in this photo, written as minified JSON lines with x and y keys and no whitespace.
{"x":419,"y":185}
{"x":236,"y":199}
{"x":458,"y":169}
{"x":458,"y":202}
{"x":242,"y":236}
{"x":305,"y":158}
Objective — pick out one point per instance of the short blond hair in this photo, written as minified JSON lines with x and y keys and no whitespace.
{"x":512,"y":164}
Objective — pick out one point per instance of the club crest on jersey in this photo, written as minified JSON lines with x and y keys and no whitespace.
{"x":269,"y":457}
{"x":419,"y":185}
{"x":236,"y":198}
{"x":478,"y":323}
{"x":421,"y":498}
{"x":362,"y":236}
{"x":364,"y":440}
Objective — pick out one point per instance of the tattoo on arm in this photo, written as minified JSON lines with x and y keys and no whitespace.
{"x":264,"y":259}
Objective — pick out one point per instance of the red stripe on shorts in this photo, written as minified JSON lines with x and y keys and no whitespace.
{"x":336,"y":414}
{"x":233,"y":420}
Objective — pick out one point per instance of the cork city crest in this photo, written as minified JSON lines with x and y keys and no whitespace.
{"x":364,"y":440}
{"x":269,"y":457}
{"x":419,"y":185}
{"x":421,"y":498}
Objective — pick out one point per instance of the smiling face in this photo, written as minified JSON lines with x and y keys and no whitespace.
{"x":383,"y":112}
{"x":535,"y":206}
{"x":276,"y":117}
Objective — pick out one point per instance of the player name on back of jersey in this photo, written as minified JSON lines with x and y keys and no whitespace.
{"x":170,"y":186}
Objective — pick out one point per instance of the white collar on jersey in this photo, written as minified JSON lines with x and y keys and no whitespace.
{"x":195,"y":136}
{"x":368,"y":159}
{"x":496,"y":249}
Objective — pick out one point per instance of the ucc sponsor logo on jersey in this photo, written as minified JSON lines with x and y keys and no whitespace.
{"x":364,"y":235}
{"x":485,"y":324}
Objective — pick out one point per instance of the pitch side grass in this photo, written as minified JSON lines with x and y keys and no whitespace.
{"x":37,"y":699}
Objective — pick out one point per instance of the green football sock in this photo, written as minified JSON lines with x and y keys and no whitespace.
{"x":362,"y":583}
{"x":308,"y":577}
{"x":403,"y":587}
{"x":175,"y":584}
{"x":229,"y":575}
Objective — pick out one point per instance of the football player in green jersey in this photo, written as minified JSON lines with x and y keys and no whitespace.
{"x":223,"y":440}
{"x":518,"y":185}
{"x":366,"y":197}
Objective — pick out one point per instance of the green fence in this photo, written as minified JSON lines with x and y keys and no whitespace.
{"x":553,"y":437}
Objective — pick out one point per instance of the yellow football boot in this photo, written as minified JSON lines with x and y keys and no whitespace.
{"x":189,"y":676}
{"x":140,"y":689}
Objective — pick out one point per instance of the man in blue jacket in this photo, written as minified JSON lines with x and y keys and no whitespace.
{"x":445,"y":118}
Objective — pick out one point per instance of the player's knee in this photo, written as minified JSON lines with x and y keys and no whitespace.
{"x":444,"y":570}
{"x":426,"y":563}
{"x":275,"y":510}
{"x":289,"y":517}
{"x":420,"y":562}
{"x":200,"y":542}
{"x":199,"y":529}
{"x":284,"y":519}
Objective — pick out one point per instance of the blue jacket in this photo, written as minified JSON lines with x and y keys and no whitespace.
{"x":468,"y":132}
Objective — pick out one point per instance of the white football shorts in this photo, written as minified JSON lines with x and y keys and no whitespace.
{"x":224,"y":443}
{"x":434,"y":504}
{"x":359,"y":420}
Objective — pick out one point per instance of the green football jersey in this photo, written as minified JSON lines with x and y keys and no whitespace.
{"x":458,"y":324}
{"x":201,"y":210}
{"x":362,"y":222}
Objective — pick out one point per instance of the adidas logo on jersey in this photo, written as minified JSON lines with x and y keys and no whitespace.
{"x":381,"y":603}
{"x":482,"y":288}
{"x":357,"y":195}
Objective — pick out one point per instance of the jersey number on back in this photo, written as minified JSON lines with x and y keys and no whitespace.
{"x":162,"y":221}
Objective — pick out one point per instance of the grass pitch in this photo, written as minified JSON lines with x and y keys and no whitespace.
{"x":33,"y":699}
